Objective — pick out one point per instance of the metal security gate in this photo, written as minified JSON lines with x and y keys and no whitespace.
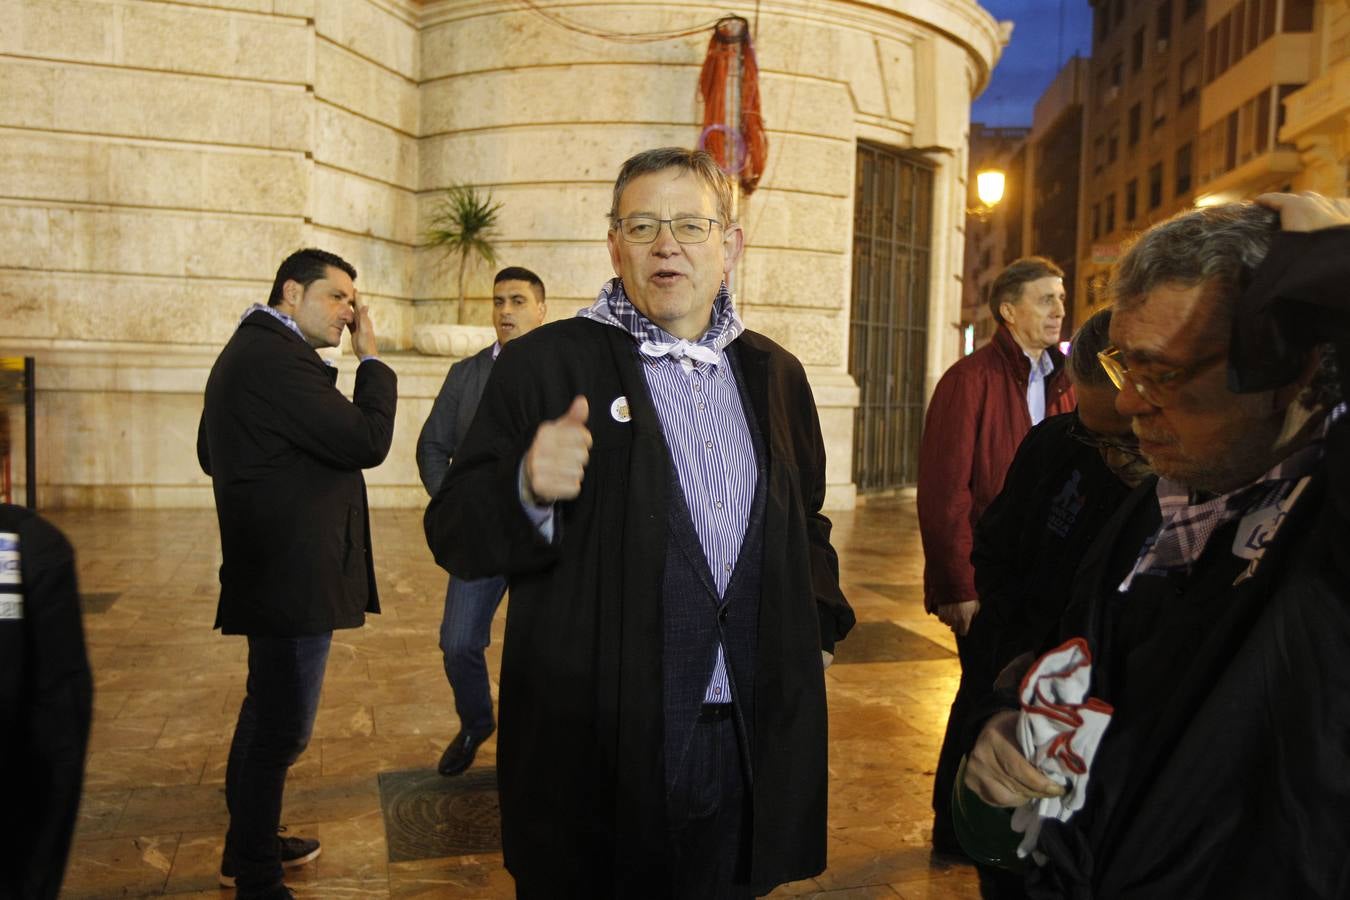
{"x":892,"y":241}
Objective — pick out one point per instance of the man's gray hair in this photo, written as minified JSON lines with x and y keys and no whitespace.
{"x":1088,"y":341}
{"x":1219,"y":246}
{"x":698,"y":162}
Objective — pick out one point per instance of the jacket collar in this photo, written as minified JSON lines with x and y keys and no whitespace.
{"x":1012,"y":354}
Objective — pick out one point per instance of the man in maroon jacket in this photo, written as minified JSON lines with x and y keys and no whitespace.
{"x":981,"y":409}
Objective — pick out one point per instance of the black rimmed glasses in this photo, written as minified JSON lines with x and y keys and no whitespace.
{"x":1158,"y":388}
{"x":685,"y":229}
{"x":1083,"y":435}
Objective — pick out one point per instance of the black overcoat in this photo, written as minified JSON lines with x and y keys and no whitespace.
{"x":46,"y":704}
{"x":1225,"y":770}
{"x":580,"y":766}
{"x":285,"y":449}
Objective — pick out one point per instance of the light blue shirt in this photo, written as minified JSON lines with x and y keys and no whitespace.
{"x":1036,"y":385}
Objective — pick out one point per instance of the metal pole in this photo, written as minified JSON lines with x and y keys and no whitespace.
{"x":29,"y":437}
{"x":734,"y":27}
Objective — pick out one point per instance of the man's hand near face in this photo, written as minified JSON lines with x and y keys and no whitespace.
{"x":363,"y":330}
{"x":556,"y":460}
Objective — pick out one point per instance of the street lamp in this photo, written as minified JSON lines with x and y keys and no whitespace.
{"x":989,"y":184}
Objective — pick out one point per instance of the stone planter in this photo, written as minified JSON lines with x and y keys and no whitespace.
{"x":452,"y":340}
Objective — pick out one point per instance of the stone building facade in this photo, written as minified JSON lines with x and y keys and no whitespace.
{"x":158,"y":159}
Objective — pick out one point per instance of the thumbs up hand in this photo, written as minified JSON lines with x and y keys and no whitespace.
{"x":557,"y":457}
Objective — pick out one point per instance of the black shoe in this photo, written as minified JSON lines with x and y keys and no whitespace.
{"x":459,"y":755}
{"x":295,"y":851}
{"x":277,"y":892}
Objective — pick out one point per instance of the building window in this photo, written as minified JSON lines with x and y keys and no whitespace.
{"x":1132,"y":125}
{"x":1096,"y":221}
{"x":1132,"y":200}
{"x":1098,"y":153}
{"x":1183,"y":170}
{"x":1112,"y":144}
{"x":1103,"y":22}
{"x":1159,"y":105}
{"x":1190,"y":79}
{"x":1155,"y":191}
{"x":1191,"y":8}
{"x":1117,"y":72}
{"x":1254,"y":24}
{"x":1263,"y":119}
{"x":1224,"y":29}
{"x":1298,"y":15}
{"x":1164,"y":26}
{"x":1239,"y":45}
{"x":1211,"y":58}
{"x":1137,"y":51}
{"x":1268,"y":19}
{"x":1110,"y":204}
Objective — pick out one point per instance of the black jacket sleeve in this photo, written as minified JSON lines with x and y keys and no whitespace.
{"x":475,"y":525}
{"x":57,"y":691}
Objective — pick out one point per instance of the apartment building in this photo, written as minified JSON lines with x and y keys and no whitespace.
{"x":1143,"y":115}
{"x":1188,"y":106}
{"x":993,"y":237}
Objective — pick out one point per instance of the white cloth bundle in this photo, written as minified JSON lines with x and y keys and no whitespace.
{"x":1059,"y":729}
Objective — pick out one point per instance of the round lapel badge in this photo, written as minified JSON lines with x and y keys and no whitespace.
{"x":619,"y":410}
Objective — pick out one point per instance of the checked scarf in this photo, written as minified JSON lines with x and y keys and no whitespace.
{"x":1187,"y":526}
{"x":613,"y":307}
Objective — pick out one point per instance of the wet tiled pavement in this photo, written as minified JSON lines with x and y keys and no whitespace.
{"x":168,"y":689}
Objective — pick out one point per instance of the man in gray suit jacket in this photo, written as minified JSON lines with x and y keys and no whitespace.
{"x":517,"y":307}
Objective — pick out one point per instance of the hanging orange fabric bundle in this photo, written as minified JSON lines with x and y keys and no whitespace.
{"x":740,"y":148}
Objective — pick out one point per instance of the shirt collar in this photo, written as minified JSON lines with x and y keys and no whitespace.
{"x":1040,"y":368}
{"x":284,"y":319}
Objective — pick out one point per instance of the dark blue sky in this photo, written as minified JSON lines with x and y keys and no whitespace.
{"x":1047,"y":33}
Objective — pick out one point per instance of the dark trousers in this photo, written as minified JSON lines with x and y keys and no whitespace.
{"x":275,"y":722}
{"x":466,"y":631}
{"x":709,"y":821}
{"x":977,"y":651}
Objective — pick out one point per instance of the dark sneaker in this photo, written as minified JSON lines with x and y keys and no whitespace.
{"x":295,"y":851}
{"x":277,"y":892}
{"x":458,"y":756}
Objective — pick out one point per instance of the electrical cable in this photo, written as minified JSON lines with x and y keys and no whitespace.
{"x":642,"y":37}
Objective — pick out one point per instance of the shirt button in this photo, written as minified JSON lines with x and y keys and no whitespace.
{"x":719,"y":504}
{"x":700,"y":406}
{"x":728,"y":567}
{"x":697,"y":386}
{"x":717,"y":692}
{"x":708,"y":444}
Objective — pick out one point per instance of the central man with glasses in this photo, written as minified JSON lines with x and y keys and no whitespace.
{"x":649,"y":477}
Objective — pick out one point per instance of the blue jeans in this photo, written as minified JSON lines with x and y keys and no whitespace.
{"x":275,"y":722}
{"x":466,"y":630}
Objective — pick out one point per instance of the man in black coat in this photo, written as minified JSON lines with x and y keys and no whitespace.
{"x":285,"y":451}
{"x":649,"y":476}
{"x":470,"y":603}
{"x":1069,"y":475}
{"x":46,"y":698}
{"x":1214,"y":606}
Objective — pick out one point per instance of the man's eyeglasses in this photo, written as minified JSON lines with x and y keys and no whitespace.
{"x":685,"y":229}
{"x":1158,"y":389}
{"x":1080,"y":433}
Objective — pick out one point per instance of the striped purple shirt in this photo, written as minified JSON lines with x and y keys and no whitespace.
{"x":704,"y":424}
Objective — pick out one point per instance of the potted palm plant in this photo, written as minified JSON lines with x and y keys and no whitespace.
{"x":462,"y":226}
